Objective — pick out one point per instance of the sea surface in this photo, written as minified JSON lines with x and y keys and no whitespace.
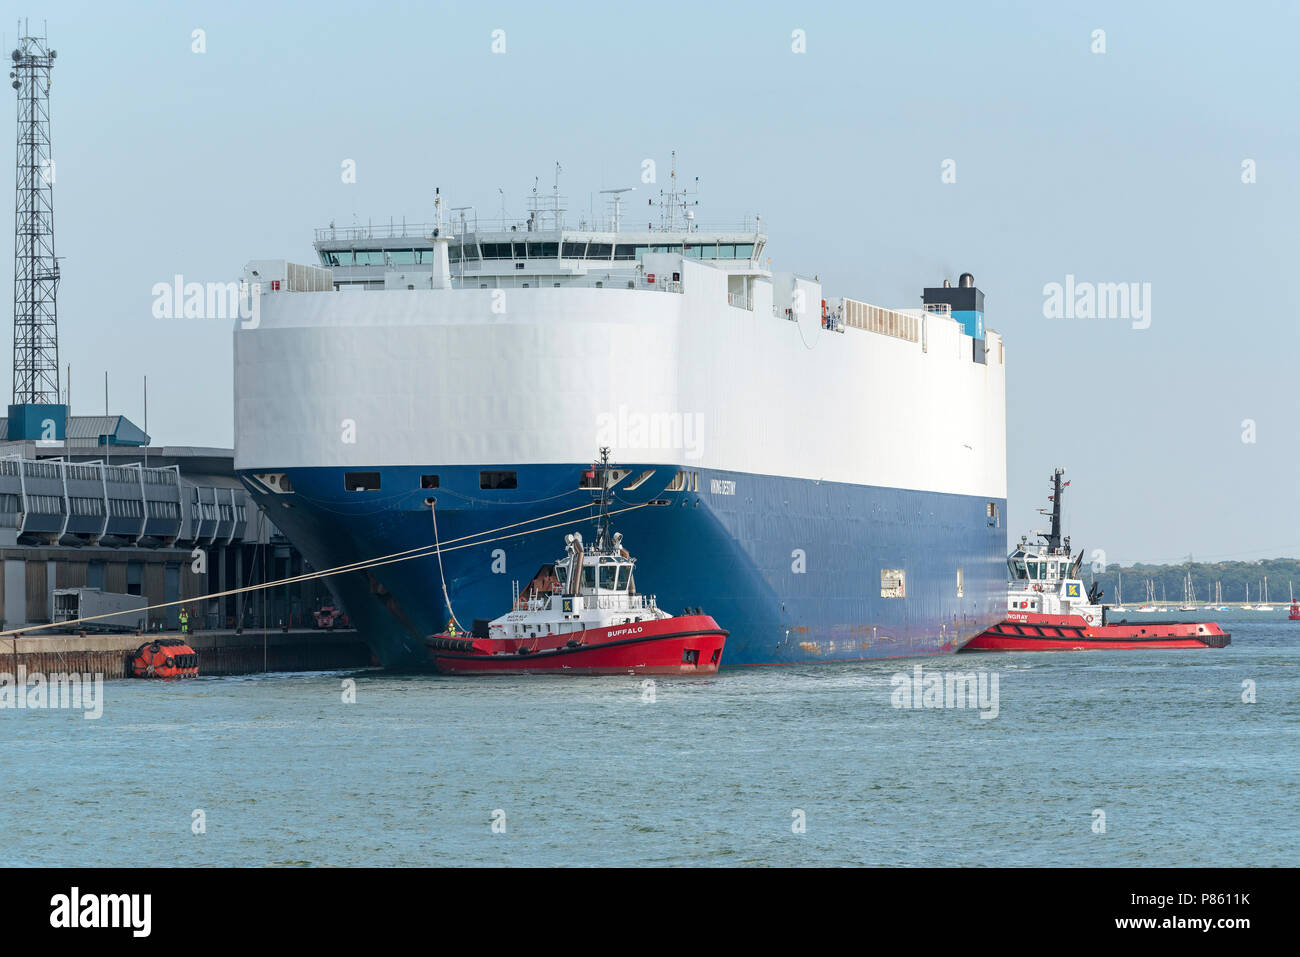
{"x":1094,"y":758}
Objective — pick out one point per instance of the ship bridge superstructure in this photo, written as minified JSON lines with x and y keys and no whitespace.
{"x":511,"y":257}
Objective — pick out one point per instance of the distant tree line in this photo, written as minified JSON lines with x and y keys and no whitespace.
{"x":1168,"y":580}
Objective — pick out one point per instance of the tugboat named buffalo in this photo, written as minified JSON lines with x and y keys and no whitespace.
{"x":583,"y":615}
{"x":1048,"y":611}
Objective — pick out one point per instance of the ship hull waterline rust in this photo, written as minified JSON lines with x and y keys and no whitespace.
{"x":1047,"y":609}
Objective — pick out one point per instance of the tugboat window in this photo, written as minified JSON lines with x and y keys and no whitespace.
{"x":608,"y":576}
{"x":493,"y":480}
{"x":589,"y":577}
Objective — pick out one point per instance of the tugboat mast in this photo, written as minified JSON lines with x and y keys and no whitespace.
{"x":1053,"y":538}
{"x":604,"y":537}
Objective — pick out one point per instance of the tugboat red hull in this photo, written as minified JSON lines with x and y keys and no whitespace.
{"x":1033,"y":632}
{"x":689,"y":645}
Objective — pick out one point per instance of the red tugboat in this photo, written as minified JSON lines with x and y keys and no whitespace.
{"x":583,"y":615}
{"x":1048,"y":611}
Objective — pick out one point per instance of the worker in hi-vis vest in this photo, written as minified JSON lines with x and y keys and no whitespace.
{"x":185,"y":621}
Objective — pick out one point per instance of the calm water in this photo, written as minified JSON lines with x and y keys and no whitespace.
{"x":709,"y":773}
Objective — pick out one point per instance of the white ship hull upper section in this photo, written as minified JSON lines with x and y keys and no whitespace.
{"x":472,"y":376}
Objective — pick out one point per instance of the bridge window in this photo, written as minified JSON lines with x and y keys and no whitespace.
{"x":575,"y":250}
{"x":520,"y":251}
{"x":361,"y":481}
{"x":498,"y":480}
{"x":744,"y":250}
{"x":543,"y":250}
{"x":625,"y":251}
{"x":496,"y":250}
{"x":336,"y":257}
{"x":402,"y":257}
{"x":702,"y":251}
{"x":608,"y":576}
{"x":599,"y":250}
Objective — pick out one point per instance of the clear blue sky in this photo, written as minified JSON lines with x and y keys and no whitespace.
{"x":1117,"y":167}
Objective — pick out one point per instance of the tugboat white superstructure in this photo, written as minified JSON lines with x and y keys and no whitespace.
{"x":826,"y":476}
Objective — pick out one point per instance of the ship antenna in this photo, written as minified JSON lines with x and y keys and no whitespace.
{"x":618,"y":202}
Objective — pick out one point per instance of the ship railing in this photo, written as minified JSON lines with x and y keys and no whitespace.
{"x":740,"y":301}
{"x":347,"y":234}
{"x":607,"y":602}
{"x":574,"y":282}
{"x":473,"y":226}
{"x":623,"y":602}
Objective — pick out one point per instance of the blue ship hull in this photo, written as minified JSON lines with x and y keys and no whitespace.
{"x":791,"y":567}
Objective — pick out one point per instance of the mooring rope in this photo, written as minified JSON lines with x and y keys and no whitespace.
{"x":422,"y":551}
{"x":433,"y":511}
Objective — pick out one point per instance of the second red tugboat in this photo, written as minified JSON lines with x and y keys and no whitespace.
{"x":583,"y":615}
{"x":1047,"y":609}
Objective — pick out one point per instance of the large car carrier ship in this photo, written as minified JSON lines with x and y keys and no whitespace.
{"x":824,"y":477}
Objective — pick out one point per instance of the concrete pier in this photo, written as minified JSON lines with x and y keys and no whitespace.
{"x":220,"y":652}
